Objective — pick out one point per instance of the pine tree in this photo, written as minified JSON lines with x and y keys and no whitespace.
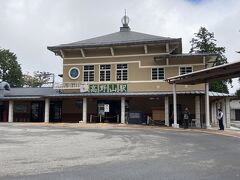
{"x":204,"y":42}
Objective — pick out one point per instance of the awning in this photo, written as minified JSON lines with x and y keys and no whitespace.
{"x":135,"y":94}
{"x":222,"y":72}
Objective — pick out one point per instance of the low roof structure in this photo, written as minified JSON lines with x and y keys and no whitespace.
{"x":220,"y":72}
{"x":41,"y":93}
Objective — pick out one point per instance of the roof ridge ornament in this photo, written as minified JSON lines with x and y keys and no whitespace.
{"x":125,"y":21}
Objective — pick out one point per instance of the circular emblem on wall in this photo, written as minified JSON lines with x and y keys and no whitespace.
{"x":74,"y":73}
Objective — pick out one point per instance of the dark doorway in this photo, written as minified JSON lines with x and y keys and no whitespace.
{"x":112,"y":115}
{"x":55,"y":111}
{"x":237,"y":113}
{"x":1,"y":112}
{"x":37,"y":111}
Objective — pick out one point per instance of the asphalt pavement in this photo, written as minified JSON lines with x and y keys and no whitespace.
{"x":50,"y":152}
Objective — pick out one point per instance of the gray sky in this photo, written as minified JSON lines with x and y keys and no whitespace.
{"x":27,"y":27}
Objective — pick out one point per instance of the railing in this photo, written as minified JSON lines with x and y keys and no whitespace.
{"x":101,"y":117}
{"x":68,"y":85}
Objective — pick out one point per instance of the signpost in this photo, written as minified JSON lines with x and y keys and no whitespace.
{"x":106,"y":108}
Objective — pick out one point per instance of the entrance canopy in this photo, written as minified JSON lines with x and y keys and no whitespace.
{"x":221,"y":72}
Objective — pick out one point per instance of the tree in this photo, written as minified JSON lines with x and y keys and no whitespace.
{"x":204,"y":42}
{"x":237,"y":93}
{"x":38,"y":79}
{"x":10,"y":70}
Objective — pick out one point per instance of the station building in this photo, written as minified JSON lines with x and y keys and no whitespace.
{"x":117,"y":78}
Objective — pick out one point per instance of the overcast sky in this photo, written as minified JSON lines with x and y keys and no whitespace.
{"x":27,"y":27}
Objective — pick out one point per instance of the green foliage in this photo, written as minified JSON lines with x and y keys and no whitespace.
{"x":10,"y":70}
{"x":238,"y":93}
{"x":37,"y":80}
{"x":218,"y":86}
{"x":204,"y":42}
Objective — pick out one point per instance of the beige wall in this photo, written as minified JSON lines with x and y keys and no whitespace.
{"x":139,"y":71}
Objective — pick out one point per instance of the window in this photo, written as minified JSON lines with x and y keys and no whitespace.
{"x":157,"y":73}
{"x":88,"y":73}
{"x":122,"y":72}
{"x":74,"y":73}
{"x":185,"y":70}
{"x":105,"y":72}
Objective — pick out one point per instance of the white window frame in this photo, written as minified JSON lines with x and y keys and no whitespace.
{"x":121,"y":72}
{"x":69,"y":74}
{"x":88,"y":73}
{"x":158,"y":74}
{"x":185,"y":69}
{"x":105,"y":70}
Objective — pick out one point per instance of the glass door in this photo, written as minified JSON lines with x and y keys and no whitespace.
{"x":56,"y":111}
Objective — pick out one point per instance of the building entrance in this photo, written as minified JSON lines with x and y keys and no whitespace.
{"x":55,"y":111}
{"x":109,"y":111}
{"x":1,"y":112}
{"x":37,"y":111}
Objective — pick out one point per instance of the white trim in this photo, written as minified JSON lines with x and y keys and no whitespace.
{"x":175,"y":124}
{"x":123,"y":120}
{"x":83,"y":53}
{"x":132,"y":62}
{"x":62,"y":54}
{"x":207,"y":113}
{"x":166,"y":110}
{"x":46,"y":110}
{"x":167,"y":62}
{"x":145,"y":49}
{"x":84,"y":110}
{"x":132,"y":55}
{"x":69,"y":75}
{"x":167,"y":47}
{"x":112,"y":51}
{"x":10,"y":111}
{"x":204,"y":60}
{"x":118,"y":82}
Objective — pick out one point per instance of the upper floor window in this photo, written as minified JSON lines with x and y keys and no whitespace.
{"x":105,"y":72}
{"x":88,"y":73}
{"x":185,"y":70}
{"x":74,"y":73}
{"x":122,"y":72}
{"x":157,"y":73}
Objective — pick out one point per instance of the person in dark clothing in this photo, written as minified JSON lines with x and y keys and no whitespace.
{"x":186,"y":117}
{"x":220,"y":119}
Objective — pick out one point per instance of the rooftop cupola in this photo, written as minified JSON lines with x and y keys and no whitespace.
{"x":125,"y":21}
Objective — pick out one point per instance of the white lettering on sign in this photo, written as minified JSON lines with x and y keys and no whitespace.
{"x":84,"y":88}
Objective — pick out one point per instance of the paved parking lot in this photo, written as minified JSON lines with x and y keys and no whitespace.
{"x":51,"y":152}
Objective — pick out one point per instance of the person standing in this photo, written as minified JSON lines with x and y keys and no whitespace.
{"x":220,"y":119}
{"x":186,"y":117}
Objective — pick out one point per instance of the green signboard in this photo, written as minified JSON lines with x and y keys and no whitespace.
{"x":107,"y":88}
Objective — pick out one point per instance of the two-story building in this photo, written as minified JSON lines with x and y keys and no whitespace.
{"x":116,"y":78}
